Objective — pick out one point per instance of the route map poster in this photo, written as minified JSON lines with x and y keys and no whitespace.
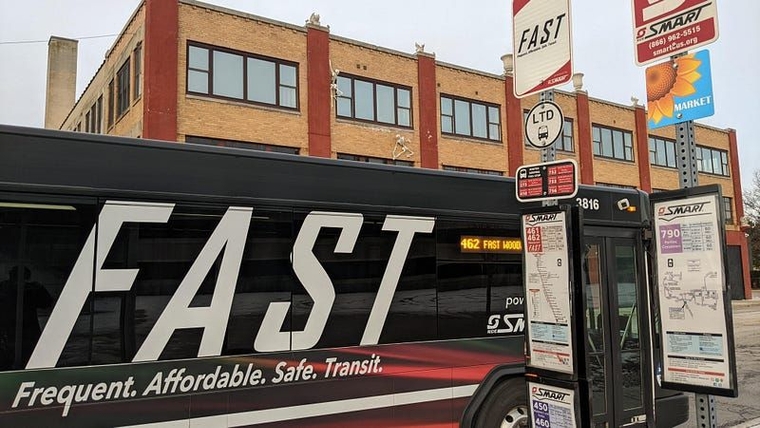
{"x":547,"y":291}
{"x":697,"y":338}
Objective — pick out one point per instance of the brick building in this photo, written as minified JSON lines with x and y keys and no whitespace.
{"x":174,"y":74}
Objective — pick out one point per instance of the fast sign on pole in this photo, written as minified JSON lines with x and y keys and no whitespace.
{"x":663,"y":28}
{"x":542,"y":45}
{"x":679,"y":90}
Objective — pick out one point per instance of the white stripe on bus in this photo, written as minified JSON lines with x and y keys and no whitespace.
{"x":317,"y":409}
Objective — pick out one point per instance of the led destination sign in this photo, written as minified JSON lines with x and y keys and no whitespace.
{"x":490,"y":244}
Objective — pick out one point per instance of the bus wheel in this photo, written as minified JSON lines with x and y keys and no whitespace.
{"x":506,"y":406}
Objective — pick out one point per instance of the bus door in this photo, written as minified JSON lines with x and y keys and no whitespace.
{"x":616,"y":312}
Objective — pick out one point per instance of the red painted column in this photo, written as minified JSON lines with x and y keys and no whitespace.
{"x":161,"y":55}
{"x":738,"y":238}
{"x":642,"y":145}
{"x":736,"y":178}
{"x":515,"y":142}
{"x":428,"y":100}
{"x":319,"y":98}
{"x":585,"y":149}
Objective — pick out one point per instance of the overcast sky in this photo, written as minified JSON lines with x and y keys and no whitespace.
{"x":457,"y":31}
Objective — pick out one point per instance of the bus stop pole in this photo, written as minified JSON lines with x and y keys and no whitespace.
{"x":687,"y":172}
{"x":549,"y":154}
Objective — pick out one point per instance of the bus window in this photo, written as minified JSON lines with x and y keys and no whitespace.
{"x":595,"y":304}
{"x":40,"y":244}
{"x":356,"y":277}
{"x":479,"y":280}
{"x":266,"y":276}
{"x":164,"y":254}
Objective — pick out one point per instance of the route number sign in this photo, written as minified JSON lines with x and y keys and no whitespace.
{"x":548,"y":180}
{"x":547,"y":291}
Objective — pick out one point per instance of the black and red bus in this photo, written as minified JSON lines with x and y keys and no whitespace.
{"x":154,"y":284}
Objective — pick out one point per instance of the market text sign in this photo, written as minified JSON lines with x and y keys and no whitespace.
{"x":679,"y":90}
{"x":663,"y":28}
{"x":542,"y":45}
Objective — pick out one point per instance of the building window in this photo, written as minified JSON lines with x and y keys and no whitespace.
{"x":241,"y":145}
{"x":712,"y":161}
{"x":612,"y":143}
{"x":242,"y":76}
{"x":94,"y":116}
{"x":122,"y":83}
{"x":662,"y":152}
{"x":564,"y":142}
{"x":137,"y":82}
{"x":472,"y":170}
{"x":470,"y":118}
{"x":111,"y":102}
{"x":99,"y":115}
{"x":728,"y":210}
{"x":370,"y":159}
{"x":373,"y":101}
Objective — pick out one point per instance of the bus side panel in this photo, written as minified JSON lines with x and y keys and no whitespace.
{"x":400,"y":385}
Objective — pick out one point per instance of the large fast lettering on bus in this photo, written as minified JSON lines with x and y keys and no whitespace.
{"x":228,"y":240}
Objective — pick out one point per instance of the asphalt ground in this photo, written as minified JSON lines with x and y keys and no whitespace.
{"x":743,"y":411}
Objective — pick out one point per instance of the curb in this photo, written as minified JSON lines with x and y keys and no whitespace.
{"x":754,"y":423}
{"x":751,"y":302}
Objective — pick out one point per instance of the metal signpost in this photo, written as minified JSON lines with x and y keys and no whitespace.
{"x":542,"y":45}
{"x":696,"y":334}
{"x":557,"y":389}
{"x":664,"y":28}
{"x":549,"y":154}
{"x":555,"y":371}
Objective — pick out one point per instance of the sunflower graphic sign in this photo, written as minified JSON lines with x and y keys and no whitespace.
{"x":679,"y":90}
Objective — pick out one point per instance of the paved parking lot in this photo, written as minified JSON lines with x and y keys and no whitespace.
{"x":743,"y":411}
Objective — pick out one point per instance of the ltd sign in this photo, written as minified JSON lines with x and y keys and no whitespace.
{"x":543,"y":124}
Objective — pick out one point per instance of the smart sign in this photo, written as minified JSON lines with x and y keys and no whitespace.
{"x":679,"y":90}
{"x":697,"y":340}
{"x":663,"y":28}
{"x":541,"y":45}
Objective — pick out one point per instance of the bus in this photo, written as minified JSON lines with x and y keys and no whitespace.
{"x":157,"y":284}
